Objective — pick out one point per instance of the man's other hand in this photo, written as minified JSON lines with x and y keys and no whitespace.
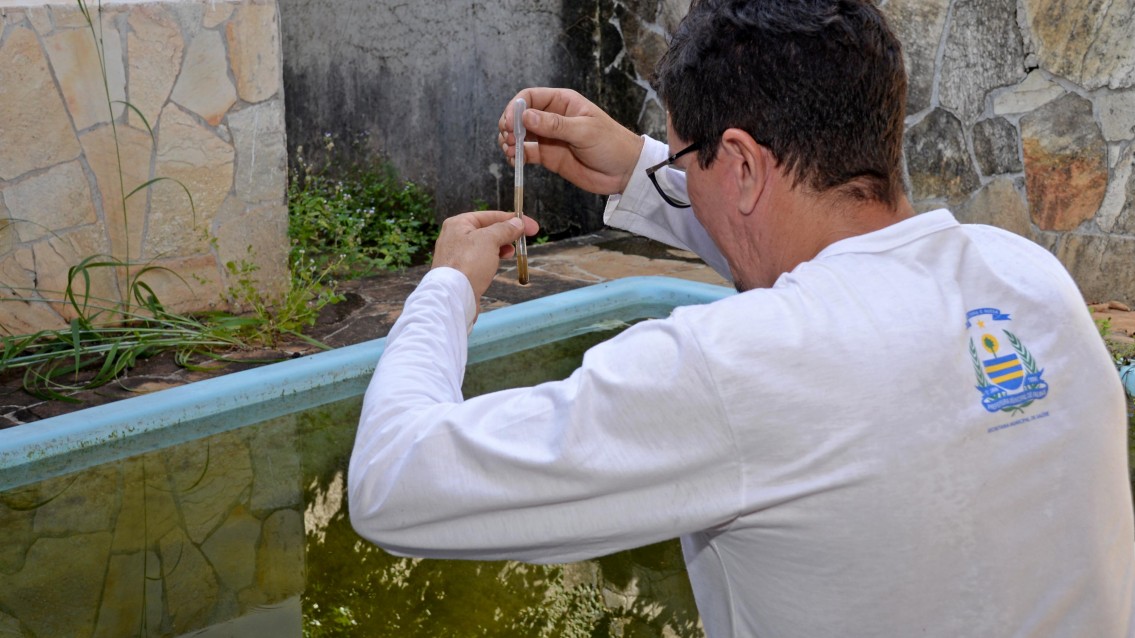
{"x":573,"y":138}
{"x":474,"y":243}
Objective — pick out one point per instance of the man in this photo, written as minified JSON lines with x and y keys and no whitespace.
{"x":900,"y":426}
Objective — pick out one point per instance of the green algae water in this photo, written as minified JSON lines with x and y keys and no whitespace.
{"x":246,"y":533}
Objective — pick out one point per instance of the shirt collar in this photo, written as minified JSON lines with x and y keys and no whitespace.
{"x":893,"y":236}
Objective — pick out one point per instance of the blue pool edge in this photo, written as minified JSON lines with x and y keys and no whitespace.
{"x":496,"y":333}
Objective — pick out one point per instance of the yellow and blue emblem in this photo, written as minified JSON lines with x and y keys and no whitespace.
{"x":1007,"y":377}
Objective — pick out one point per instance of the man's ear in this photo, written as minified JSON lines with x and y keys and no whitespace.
{"x":751,"y":162}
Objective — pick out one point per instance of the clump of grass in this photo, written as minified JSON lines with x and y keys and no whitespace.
{"x":1103,"y":326}
{"x":367,"y":220}
{"x":310,"y":289}
{"x":364,"y":220}
{"x":106,"y":337}
{"x":1122,"y":353}
{"x":359,"y":220}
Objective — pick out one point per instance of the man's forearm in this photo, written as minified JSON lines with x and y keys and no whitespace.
{"x":420,"y":370}
{"x":426,"y":350}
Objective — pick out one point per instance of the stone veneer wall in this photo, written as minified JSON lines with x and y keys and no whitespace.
{"x":1020,"y":114}
{"x":206,"y":76}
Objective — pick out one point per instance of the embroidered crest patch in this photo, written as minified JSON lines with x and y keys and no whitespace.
{"x":1007,"y":374}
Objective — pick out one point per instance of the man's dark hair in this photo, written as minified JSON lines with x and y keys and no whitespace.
{"x":820,"y":83}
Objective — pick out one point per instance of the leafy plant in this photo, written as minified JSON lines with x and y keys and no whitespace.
{"x":266,"y":320}
{"x":364,"y":220}
{"x":1104,"y":327}
{"x":1122,"y":351}
{"x":106,"y":336}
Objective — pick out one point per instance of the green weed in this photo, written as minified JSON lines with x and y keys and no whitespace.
{"x":267,"y":320}
{"x":362,"y":220}
{"x":127,"y":262}
{"x":1122,"y":352}
{"x":106,"y":337}
{"x":1104,"y":327}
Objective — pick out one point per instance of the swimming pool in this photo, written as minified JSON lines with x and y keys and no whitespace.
{"x":218,"y":507}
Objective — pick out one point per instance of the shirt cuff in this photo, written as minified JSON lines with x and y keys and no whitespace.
{"x":638,"y":187}
{"x":457,"y":285}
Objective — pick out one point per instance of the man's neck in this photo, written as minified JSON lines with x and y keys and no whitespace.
{"x":803,"y":225}
{"x":835,"y":218}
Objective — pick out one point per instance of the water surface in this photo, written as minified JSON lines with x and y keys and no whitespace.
{"x":247,"y":533}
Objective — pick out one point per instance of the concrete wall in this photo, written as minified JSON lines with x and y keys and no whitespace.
{"x":207,"y":79}
{"x":1021,"y":113}
{"x":424,"y":84}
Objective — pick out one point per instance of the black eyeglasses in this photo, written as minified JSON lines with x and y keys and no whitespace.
{"x":677,"y":201}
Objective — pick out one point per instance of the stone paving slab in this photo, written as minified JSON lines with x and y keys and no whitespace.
{"x":1119,"y":317}
{"x":373,"y":304}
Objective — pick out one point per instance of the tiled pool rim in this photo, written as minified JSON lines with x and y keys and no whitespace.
{"x":71,"y":442}
{"x":74,"y":441}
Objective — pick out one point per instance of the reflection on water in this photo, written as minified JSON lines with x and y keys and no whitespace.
{"x":354,"y":584}
{"x":246,"y":533}
{"x":351,"y":583}
{"x":158,"y":544}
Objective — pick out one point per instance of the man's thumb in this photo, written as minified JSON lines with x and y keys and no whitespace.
{"x":549,"y":125}
{"x":507,"y":231}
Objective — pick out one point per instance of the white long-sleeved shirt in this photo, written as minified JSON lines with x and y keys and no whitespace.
{"x":918,"y":432}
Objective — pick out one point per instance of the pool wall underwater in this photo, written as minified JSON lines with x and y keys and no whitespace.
{"x":78,"y":440}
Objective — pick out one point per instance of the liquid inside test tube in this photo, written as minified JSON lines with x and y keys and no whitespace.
{"x":518,"y":190}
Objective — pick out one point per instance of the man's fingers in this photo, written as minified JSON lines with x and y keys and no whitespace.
{"x":535,"y":98}
{"x":531,"y":154}
{"x":500,"y":227}
{"x":507,"y":231}
{"x":530,"y":227}
{"x":488,"y":218}
{"x":472,"y":243}
{"x":541,"y":98}
{"x":482,"y":218}
{"x":551,"y":126}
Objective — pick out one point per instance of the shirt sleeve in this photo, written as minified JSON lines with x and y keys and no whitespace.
{"x":640,"y":210}
{"x":632,"y":449}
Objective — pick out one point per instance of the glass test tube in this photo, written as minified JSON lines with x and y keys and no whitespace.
{"x":518,"y":190}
